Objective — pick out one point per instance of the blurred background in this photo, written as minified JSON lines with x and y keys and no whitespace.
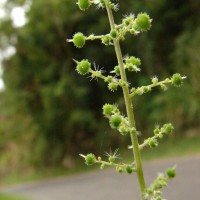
{"x":49,"y":114}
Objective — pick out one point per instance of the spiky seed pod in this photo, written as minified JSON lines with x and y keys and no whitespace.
{"x":84,"y":4}
{"x":129,"y":169}
{"x":112,"y":86}
{"x":90,"y":159}
{"x":83,"y":67}
{"x":115,"y":121}
{"x":108,"y":109}
{"x":79,"y":40}
{"x":171,"y":172}
{"x":177,"y":80}
{"x":143,"y":22}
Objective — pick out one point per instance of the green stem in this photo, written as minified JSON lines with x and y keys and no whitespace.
{"x":129,"y":105}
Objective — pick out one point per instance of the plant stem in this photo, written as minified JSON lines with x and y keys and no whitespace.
{"x":129,"y":105}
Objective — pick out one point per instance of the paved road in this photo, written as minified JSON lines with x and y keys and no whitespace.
{"x":108,"y":185}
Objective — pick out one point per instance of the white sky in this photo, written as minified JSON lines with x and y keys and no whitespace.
{"x":2,"y":12}
{"x":19,"y":19}
{"x":2,"y":1}
{"x":18,"y":16}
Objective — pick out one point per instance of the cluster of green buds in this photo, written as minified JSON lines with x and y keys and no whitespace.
{"x":152,"y":142}
{"x":90,"y":159}
{"x":84,"y":67}
{"x":132,"y":64}
{"x":130,"y":24}
{"x":153,"y":192}
{"x":176,"y":80}
{"x":117,"y":121}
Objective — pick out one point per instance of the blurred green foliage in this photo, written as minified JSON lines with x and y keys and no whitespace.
{"x":8,"y":197}
{"x":49,"y":114}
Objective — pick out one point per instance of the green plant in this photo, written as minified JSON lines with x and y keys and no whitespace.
{"x":125,"y":124}
{"x":8,"y":197}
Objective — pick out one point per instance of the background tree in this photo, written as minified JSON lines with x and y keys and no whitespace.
{"x":48,"y":109}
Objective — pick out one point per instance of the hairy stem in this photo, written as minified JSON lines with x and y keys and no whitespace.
{"x":129,"y":105}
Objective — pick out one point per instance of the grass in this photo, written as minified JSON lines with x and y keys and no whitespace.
{"x":8,"y":197}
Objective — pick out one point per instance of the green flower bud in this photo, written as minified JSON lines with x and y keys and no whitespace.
{"x":84,"y":4}
{"x":116,"y":110}
{"x":111,"y":159}
{"x":153,"y":143}
{"x":129,"y":169}
{"x":168,"y":128}
{"x":154,"y":80}
{"x":139,"y":91}
{"x":156,"y":131}
{"x":146,"y":89}
{"x":107,"y":109}
{"x":83,"y":67}
{"x":108,"y":79}
{"x":119,"y":169}
{"x":163,"y":87}
{"x":123,"y":130}
{"x":79,"y":40}
{"x":133,"y":32}
{"x":106,"y":40}
{"x":99,"y":158}
{"x":171,"y":172}
{"x":117,"y":70}
{"x":115,"y":121}
{"x":122,"y":83}
{"x":143,"y":22}
{"x":112,"y":86}
{"x":132,"y":68}
{"x":159,"y":198}
{"x":113,"y":33}
{"x":177,"y":80}
{"x":122,"y":38}
{"x":133,"y":90}
{"x":128,"y":20}
{"x":133,"y":61}
{"x":90,"y":159}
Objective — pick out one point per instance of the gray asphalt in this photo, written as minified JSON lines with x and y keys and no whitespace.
{"x":109,"y":185}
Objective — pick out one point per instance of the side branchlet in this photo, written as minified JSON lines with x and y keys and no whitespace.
{"x":154,"y":192}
